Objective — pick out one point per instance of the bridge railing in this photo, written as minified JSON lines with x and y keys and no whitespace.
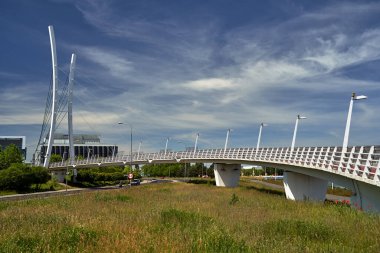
{"x":359,"y":162}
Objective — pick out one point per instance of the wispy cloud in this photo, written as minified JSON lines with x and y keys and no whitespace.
{"x":173,"y":72}
{"x":117,"y":66}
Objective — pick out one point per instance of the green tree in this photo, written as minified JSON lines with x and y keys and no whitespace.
{"x":163,"y":170}
{"x":259,"y":172}
{"x":10,"y":155}
{"x":54,"y":158}
{"x":197,"y":170}
{"x":272,"y":171}
{"x":210,"y":171}
{"x":247,"y":172}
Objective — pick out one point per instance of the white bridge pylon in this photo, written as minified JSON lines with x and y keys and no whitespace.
{"x":52,"y":110}
{"x":307,"y":169}
{"x":54,"y":94}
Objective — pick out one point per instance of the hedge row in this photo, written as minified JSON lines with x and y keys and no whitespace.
{"x":94,"y":176}
{"x":21,"y":177}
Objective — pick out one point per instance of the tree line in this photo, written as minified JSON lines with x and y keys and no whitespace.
{"x":177,"y":170}
{"x":97,"y":176}
{"x":262,"y":172}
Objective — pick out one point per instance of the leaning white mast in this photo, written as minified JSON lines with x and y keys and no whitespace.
{"x":53,"y":108}
{"x":70,"y":108}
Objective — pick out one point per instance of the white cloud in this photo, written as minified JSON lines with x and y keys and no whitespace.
{"x":339,"y":51}
{"x":274,"y":72}
{"x":116,"y":65}
{"x":22,"y":118}
{"x":210,"y":84}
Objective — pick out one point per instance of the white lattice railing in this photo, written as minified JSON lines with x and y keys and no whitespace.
{"x":361,"y":163}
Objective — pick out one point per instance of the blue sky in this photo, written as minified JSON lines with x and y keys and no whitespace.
{"x":175,"y":68}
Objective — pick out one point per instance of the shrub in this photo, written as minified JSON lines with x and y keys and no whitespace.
{"x":99,"y":175}
{"x":52,"y":183}
{"x":234,"y":199}
{"x":39,"y":175}
{"x":16,"y":177}
{"x":21,"y":176}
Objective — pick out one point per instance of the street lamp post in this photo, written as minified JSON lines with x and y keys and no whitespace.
{"x":138,"y":151}
{"x":67,"y":167}
{"x":166,"y":145}
{"x":184,"y":176}
{"x":130,"y":162}
{"x":259,"y":138}
{"x":295,"y":131}
{"x":196,"y":143}
{"x":113,"y":152}
{"x":166,"y":149}
{"x":88,"y":154}
{"x":347,"y":131}
{"x":227,"y":138}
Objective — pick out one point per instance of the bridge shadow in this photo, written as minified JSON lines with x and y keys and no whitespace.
{"x":202,"y":181}
{"x":243,"y":184}
{"x":262,"y":189}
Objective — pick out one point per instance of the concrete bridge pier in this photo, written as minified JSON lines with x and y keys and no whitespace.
{"x":227,"y":175}
{"x":59,"y":175}
{"x":303,"y":187}
{"x":366,"y":196}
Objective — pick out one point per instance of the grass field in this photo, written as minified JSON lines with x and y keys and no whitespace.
{"x":180,"y":217}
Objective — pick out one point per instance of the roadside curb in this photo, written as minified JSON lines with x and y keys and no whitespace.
{"x":40,"y":194}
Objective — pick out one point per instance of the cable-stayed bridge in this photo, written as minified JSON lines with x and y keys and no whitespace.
{"x":307,"y":170}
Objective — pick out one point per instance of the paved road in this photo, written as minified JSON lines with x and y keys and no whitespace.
{"x":34,"y":195}
{"x":72,"y":191}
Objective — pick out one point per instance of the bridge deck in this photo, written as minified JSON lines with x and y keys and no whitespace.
{"x":358,"y":163}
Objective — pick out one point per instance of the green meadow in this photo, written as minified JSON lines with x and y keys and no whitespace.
{"x":181,"y":217}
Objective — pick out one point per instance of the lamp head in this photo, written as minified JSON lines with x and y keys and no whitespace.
{"x":301,"y":117}
{"x":360,"y":97}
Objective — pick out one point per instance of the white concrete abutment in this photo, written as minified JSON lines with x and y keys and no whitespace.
{"x":313,"y":186}
{"x":304,"y":187}
{"x":227,"y":175}
{"x":366,"y":196}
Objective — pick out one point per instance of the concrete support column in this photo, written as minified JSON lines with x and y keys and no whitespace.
{"x":303,"y":187}
{"x":227,"y":175}
{"x":366,"y":197}
{"x":59,"y":175}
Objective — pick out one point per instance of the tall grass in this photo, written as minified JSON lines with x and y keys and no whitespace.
{"x":184,"y":218}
